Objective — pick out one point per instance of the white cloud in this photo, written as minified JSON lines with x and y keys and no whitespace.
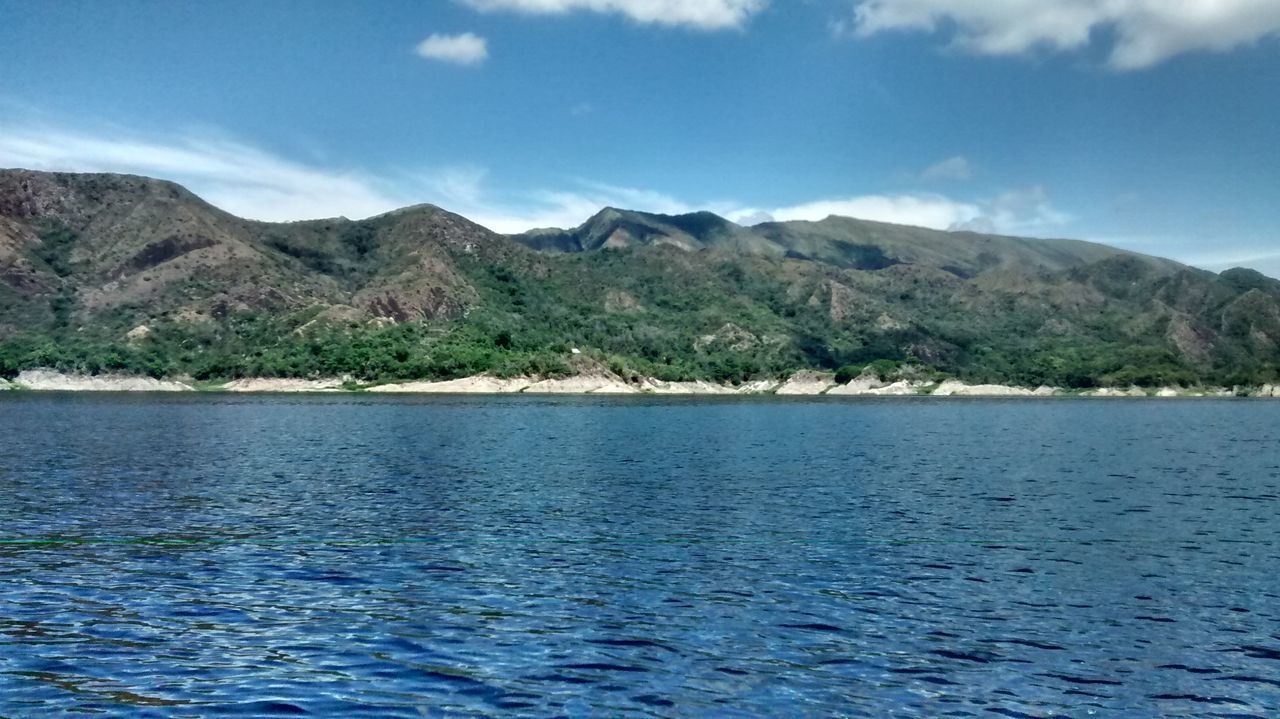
{"x":465,"y":49}
{"x":1026,"y":211}
{"x":935,"y":211}
{"x":953,"y":168}
{"x":236,"y":177}
{"x":700,"y":14}
{"x":1146,"y":32}
{"x":256,"y":184}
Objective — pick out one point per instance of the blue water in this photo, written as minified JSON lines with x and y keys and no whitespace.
{"x":363,"y":557}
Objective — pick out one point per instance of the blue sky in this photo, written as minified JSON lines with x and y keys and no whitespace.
{"x":1153,"y":125}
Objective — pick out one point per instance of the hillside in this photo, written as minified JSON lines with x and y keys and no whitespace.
{"x":109,"y":272}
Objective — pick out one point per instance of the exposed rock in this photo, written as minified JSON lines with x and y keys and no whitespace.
{"x":954,"y":388}
{"x":137,"y":334}
{"x":51,"y":381}
{"x":1116,"y":392}
{"x":1269,"y":390}
{"x":807,"y":383}
{"x":4,"y":384}
{"x":898,"y":389}
{"x":860,"y":386}
{"x":685,"y":388}
{"x":482,"y":384}
{"x":762,"y":386}
{"x":582,"y":384}
{"x":283,"y":385}
{"x":1168,"y":392}
{"x":1045,"y":391}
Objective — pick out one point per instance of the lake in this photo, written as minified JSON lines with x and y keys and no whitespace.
{"x":347,"y":555}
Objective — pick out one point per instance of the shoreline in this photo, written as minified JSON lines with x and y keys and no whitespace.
{"x":801,"y":384}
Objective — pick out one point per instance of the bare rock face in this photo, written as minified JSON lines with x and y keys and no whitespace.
{"x":1117,"y":392}
{"x":903,"y":388}
{"x":51,"y":381}
{"x":654,"y":386}
{"x":868,"y":386}
{"x":482,"y":384}
{"x":863,"y":385}
{"x":261,"y":385}
{"x":582,"y":384}
{"x":807,"y":383}
{"x":4,"y":385}
{"x":763,"y":386}
{"x":954,"y":388}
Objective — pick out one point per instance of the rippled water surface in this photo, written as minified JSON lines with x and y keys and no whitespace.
{"x":350,"y":556}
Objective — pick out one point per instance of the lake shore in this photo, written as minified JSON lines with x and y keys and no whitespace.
{"x":801,"y":384}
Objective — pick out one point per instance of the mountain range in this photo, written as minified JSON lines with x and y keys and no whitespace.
{"x":104,"y":272}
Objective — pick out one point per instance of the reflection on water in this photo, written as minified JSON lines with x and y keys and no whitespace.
{"x":199,"y":556}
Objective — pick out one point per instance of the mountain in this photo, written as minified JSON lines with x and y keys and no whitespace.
{"x":840,"y":241}
{"x":111,"y":272}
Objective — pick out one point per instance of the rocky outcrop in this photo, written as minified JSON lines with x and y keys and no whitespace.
{"x":264,"y":385}
{"x":51,"y":381}
{"x":654,"y":386}
{"x":807,"y":383}
{"x":858,"y":387}
{"x":1116,"y":392}
{"x":4,"y":384}
{"x":762,"y":386}
{"x":482,"y":384}
{"x":582,"y":384}
{"x":871,"y":387}
{"x":903,"y":388}
{"x":954,"y":388}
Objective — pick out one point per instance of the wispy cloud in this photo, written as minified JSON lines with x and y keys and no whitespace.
{"x":923,"y":210}
{"x":1146,"y":32}
{"x":237,"y":177}
{"x":698,"y":14}
{"x":464,"y":49}
{"x":1027,"y":211}
{"x":952,"y":168}
{"x":256,"y":184}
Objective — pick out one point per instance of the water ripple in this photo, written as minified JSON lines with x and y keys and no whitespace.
{"x":405,"y":557}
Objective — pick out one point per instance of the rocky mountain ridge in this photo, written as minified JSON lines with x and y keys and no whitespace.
{"x":108,"y":272}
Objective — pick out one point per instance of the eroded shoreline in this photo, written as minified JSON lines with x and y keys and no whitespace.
{"x":801,"y":384}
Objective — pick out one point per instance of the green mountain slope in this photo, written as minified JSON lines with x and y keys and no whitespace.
{"x":106,"y":272}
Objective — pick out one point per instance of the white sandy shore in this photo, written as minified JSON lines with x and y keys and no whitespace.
{"x":802,"y":384}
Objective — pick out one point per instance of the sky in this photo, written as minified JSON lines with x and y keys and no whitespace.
{"x":1152,"y":125}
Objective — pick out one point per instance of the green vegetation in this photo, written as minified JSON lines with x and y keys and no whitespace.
{"x":647,"y":312}
{"x":423,"y":294}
